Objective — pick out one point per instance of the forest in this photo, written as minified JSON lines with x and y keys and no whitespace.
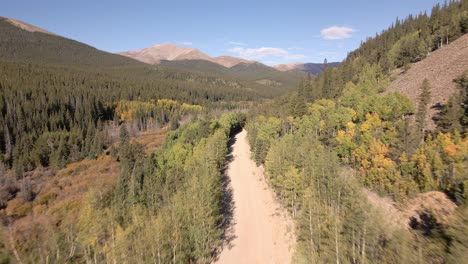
{"x":78,"y":186}
{"x":162,"y":206}
{"x":363,"y":137}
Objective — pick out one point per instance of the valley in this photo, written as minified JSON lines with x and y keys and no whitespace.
{"x":231,"y":142}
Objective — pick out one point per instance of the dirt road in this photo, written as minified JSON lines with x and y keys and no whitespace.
{"x":261,"y":231}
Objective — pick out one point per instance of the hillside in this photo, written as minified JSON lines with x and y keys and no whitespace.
{"x":353,"y":117}
{"x":26,"y":26}
{"x":27,"y":43}
{"x":257,"y":73}
{"x":441,"y":67}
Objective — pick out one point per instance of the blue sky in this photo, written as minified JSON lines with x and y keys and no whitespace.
{"x":272,"y":32}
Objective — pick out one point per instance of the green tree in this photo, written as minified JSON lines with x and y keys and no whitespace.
{"x":421,"y":114}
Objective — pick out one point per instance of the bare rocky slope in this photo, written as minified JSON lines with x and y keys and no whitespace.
{"x":441,"y":67}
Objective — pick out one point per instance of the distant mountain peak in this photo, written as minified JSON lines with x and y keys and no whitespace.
{"x":287,"y":67}
{"x":229,"y":61}
{"x":314,"y":68}
{"x":171,"y":52}
{"x":166,"y":51}
{"x":25,"y":26}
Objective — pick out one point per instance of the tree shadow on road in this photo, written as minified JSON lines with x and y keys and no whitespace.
{"x":227,"y":204}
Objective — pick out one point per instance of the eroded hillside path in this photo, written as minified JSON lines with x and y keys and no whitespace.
{"x":261,"y":231}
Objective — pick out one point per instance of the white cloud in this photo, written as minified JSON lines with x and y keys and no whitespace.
{"x":237,"y":43}
{"x":336,"y":32}
{"x":265,"y":52}
{"x":188,"y":43}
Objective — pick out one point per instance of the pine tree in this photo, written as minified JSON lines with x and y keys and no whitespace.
{"x":424,"y":99}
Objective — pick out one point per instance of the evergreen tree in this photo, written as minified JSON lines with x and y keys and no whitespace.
{"x":421,"y":114}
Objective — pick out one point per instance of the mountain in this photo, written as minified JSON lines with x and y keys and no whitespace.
{"x":252,"y":71}
{"x":157,"y":53}
{"x":313,"y":68}
{"x":171,"y":52}
{"x":229,"y":61}
{"x":190,"y":59}
{"x":287,"y":67}
{"x":261,"y":72}
{"x":184,"y":74}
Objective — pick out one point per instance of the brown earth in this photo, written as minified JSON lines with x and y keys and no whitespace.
{"x":441,"y":67}
{"x":436,"y":202}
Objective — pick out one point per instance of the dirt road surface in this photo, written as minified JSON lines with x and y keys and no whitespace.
{"x":261,"y":231}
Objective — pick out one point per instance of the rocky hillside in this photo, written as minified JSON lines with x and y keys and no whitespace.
{"x":441,"y":67}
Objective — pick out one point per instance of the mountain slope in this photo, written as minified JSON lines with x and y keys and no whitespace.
{"x":26,"y":26}
{"x":440,"y":68}
{"x":252,"y":72}
{"x":201,"y":79}
{"x":27,"y":43}
{"x":201,"y":66}
{"x":258,"y":71}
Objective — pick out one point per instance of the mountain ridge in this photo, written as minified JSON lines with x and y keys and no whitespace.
{"x":171,"y":52}
{"x":26,"y":26}
{"x":310,"y":67}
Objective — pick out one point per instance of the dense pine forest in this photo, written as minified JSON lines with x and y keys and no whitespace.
{"x":105,"y":159}
{"x":362,"y":136}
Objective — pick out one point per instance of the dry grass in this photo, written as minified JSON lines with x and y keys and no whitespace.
{"x":151,"y":139}
{"x":58,"y":200}
{"x":435,"y":202}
